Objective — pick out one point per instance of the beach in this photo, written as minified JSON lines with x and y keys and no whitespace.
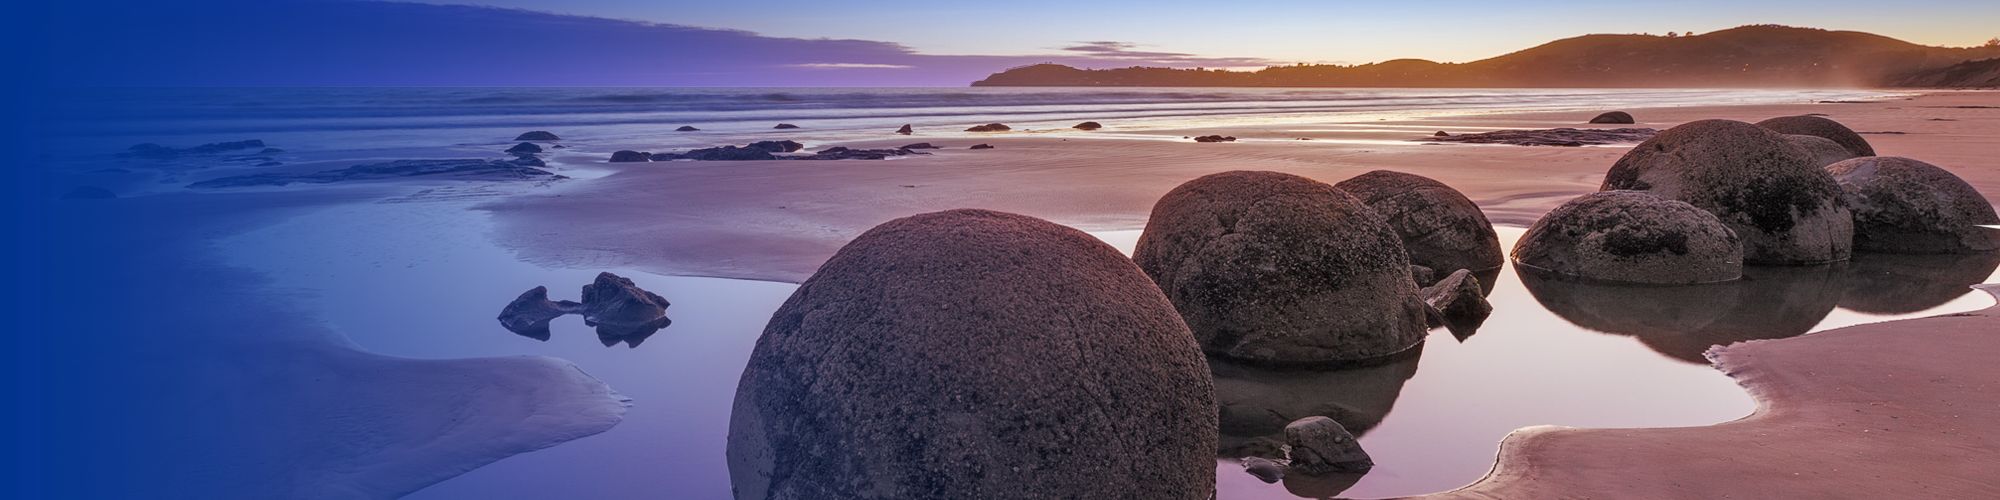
{"x":413,"y":269}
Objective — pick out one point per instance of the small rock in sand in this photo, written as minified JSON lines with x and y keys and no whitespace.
{"x":687,"y":128}
{"x":906,"y":130}
{"x":1613,"y":117}
{"x":629,"y":156}
{"x":525,"y":148}
{"x":1441,"y":133}
{"x":537,"y":135}
{"x":622,"y":311}
{"x":1266,"y":470}
{"x":785,"y":126}
{"x":1459,"y":303}
{"x":529,"y":315}
{"x":990,"y":127}
{"x":1319,"y":445}
{"x":1215,"y":138}
{"x":1088,"y":126}
{"x":921,"y":145}
{"x":981,"y":146}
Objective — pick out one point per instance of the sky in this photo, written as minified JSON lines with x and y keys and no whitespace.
{"x":1284,"y":31}
{"x":779,"y":43}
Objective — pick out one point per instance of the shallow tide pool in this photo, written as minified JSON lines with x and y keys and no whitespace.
{"x":422,"y":280}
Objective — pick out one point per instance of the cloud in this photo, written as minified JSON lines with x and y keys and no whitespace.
{"x":347,"y":42}
{"x":1124,"y":51}
{"x":852,"y":66}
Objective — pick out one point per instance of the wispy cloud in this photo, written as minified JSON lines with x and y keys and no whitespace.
{"x":1128,"y":51}
{"x":852,"y":66}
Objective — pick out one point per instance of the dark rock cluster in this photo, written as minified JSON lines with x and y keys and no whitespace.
{"x":617,"y":308}
{"x":153,"y":151}
{"x":1564,"y":137}
{"x":517,"y":169}
{"x":1215,"y":138}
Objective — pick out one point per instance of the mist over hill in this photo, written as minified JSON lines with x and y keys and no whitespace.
{"x":1748,"y":56}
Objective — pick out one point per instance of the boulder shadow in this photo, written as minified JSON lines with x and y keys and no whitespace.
{"x":1879,"y":283}
{"x":1683,"y":321}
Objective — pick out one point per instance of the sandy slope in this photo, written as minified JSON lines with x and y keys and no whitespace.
{"x":1904,"y":409}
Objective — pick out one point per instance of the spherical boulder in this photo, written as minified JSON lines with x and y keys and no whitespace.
{"x":1822,"y":150}
{"x":1822,"y":127}
{"x":1613,"y":117}
{"x":975,"y":354}
{"x":1631,"y":236}
{"x":1907,"y":206}
{"x":1441,"y":229}
{"x":1765,"y":189}
{"x":1280,"y":269}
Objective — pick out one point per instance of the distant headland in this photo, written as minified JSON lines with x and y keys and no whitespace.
{"x":1747,"y":56}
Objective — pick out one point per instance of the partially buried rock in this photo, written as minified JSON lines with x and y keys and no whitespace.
{"x":687,"y":128}
{"x":529,"y":315}
{"x":1630,"y":236}
{"x":525,"y":148}
{"x":1460,"y":303}
{"x":1907,"y":206}
{"x":981,"y":146}
{"x":947,"y":355}
{"x":1785,"y":210}
{"x":1440,"y":227}
{"x":1822,"y":127}
{"x":1822,"y":150}
{"x":990,"y":127}
{"x":537,"y":135}
{"x":1280,"y":269}
{"x":785,"y":126}
{"x":1215,"y":138}
{"x":89,"y":193}
{"x":1088,"y":126}
{"x":1321,"y":446}
{"x":629,"y":156}
{"x":621,"y":311}
{"x":1266,"y":470}
{"x":776,"y":146}
{"x":920,"y":145}
{"x":1613,"y":117}
{"x":1441,"y":133}
{"x":906,"y":130}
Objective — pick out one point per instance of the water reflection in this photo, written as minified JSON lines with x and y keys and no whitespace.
{"x":1255,"y":402}
{"x":1682,"y":322}
{"x":1901,"y":284}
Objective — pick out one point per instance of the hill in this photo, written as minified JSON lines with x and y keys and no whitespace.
{"x":1748,"y":56}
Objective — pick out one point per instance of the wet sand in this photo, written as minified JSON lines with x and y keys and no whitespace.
{"x":1848,"y":413}
{"x":777,"y":220}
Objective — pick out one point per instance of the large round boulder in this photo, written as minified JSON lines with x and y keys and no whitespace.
{"x":974,"y":354}
{"x":1441,"y":229}
{"x":1822,"y":127}
{"x":1635,"y":237}
{"x":1822,"y":150}
{"x":1907,"y":206}
{"x":1276,"y":268}
{"x":1765,"y":189}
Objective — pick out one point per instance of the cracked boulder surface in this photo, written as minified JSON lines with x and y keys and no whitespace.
{"x":1786,"y":210}
{"x":1632,"y":237}
{"x":1441,"y":229}
{"x":975,"y":354}
{"x":1275,"y":268}
{"x":1907,"y":206}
